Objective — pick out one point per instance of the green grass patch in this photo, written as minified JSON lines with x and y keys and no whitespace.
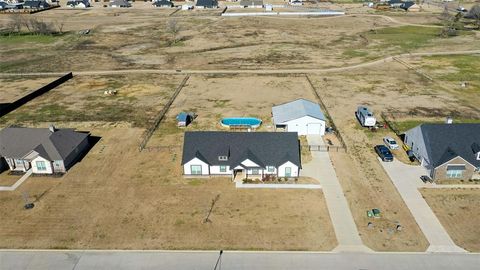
{"x":407,"y":38}
{"x":468,"y":67}
{"x":9,"y":39}
{"x":354,"y":53}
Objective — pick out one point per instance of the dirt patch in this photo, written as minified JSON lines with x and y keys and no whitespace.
{"x":459,"y":212}
{"x":13,"y":88}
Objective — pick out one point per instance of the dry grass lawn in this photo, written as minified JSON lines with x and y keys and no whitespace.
{"x":459,"y":212}
{"x":13,"y":88}
{"x":121,"y":199}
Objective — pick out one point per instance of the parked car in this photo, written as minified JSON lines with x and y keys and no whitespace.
{"x":391,"y":143}
{"x":426,"y":178}
{"x":411,"y":156}
{"x":462,"y":9}
{"x":383,"y":152}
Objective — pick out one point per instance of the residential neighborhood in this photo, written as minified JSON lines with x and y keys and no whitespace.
{"x":266,"y":134}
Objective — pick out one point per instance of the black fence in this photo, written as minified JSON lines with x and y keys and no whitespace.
{"x":9,"y":107}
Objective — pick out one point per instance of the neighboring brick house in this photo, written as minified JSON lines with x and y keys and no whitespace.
{"x":43,"y":150}
{"x":448,"y":151}
{"x":241,"y":154}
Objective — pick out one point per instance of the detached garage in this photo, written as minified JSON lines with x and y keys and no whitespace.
{"x":301,"y":115}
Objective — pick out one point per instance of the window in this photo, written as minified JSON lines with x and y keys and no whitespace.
{"x":271,"y":169}
{"x":455,"y":171}
{"x":18,"y":162}
{"x":41,"y":166}
{"x":223,"y":168}
{"x":288,"y":171}
{"x":196,"y":169}
{"x":255,"y":172}
{"x":222,"y":158}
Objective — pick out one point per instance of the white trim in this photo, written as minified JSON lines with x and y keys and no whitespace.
{"x":453,"y":159}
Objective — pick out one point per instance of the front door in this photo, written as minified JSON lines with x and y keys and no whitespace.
{"x":288,"y":171}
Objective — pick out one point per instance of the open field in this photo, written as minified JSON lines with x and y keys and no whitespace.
{"x":137,"y":38}
{"x":121,"y":199}
{"x":139,"y":98}
{"x":458,"y":211}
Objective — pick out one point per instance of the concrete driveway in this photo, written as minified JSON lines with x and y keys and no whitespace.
{"x":321,"y":168}
{"x":406,"y":179}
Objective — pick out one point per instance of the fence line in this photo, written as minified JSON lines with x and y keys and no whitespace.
{"x":324,"y":148}
{"x":421,"y":73}
{"x":327,"y":114}
{"x":149,"y":132}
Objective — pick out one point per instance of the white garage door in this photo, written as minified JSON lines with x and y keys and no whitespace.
{"x":313,"y":128}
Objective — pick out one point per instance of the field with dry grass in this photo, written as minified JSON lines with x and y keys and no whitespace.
{"x":458,"y":211}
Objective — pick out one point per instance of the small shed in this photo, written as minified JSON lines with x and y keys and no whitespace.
{"x":185,"y":118}
{"x":301,"y":115}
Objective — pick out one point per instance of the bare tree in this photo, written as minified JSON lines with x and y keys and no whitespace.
{"x":451,"y":23}
{"x":474,"y":14}
{"x":60,"y":25}
{"x":212,"y":205}
{"x":15,"y":23}
{"x":173,"y":28}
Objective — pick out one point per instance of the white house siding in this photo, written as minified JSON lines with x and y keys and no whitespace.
{"x":215,"y":170}
{"x":294,"y":169}
{"x":48,"y":166}
{"x":249,"y":163}
{"x":300,"y":125}
{"x":196,"y":161}
{"x":59,"y":166}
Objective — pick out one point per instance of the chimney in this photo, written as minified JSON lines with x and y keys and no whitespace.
{"x":449,"y":120}
{"x":52,"y":128}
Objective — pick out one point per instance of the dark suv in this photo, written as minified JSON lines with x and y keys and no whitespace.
{"x":384,"y":153}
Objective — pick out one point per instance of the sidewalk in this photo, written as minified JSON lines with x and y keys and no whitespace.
{"x":18,"y":183}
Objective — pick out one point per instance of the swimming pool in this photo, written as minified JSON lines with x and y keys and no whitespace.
{"x":241,"y":121}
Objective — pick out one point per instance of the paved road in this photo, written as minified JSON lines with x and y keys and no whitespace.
{"x":240,"y":71}
{"x":406,"y":180}
{"x":321,"y":168}
{"x":123,"y":260}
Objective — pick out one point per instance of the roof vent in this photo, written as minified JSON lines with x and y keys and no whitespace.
{"x":52,"y":128}
{"x":449,"y":120}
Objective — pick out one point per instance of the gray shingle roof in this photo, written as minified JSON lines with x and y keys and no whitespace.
{"x":207,"y":3}
{"x":247,"y":3}
{"x":446,"y":141}
{"x":296,"y":109}
{"x":263,"y":148}
{"x":163,"y":3}
{"x":17,"y":142}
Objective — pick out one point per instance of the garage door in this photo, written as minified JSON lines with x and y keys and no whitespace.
{"x":313,"y":128}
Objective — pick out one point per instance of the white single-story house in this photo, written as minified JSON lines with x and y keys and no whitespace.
{"x":241,"y":154}
{"x":301,"y":116}
{"x":78,"y":3}
{"x":44,"y":150}
{"x":120,"y":4}
{"x":162,"y":4}
{"x":447,"y":151}
{"x":202,"y":4}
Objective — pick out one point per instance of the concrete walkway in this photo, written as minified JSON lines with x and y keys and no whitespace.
{"x":345,"y":228}
{"x":18,"y":183}
{"x":406,"y":179}
{"x":239,"y":184}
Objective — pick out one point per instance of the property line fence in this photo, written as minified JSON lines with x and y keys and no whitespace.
{"x":149,"y":132}
{"x":169,"y":148}
{"x":390,"y":124}
{"x":324,"y":148}
{"x":327,"y":114}
{"x":9,"y":107}
{"x":416,"y":70}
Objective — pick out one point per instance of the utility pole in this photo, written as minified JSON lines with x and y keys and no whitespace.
{"x":219,"y":261}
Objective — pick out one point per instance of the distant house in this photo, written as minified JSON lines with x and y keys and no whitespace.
{"x":251,"y":3}
{"x":241,"y":154}
{"x":163,"y":4}
{"x":78,"y":3}
{"x":3,"y":5}
{"x":43,"y":150}
{"x":120,"y":4}
{"x":206,"y":4}
{"x":395,"y":3}
{"x":295,"y":2}
{"x":448,"y":151}
{"x":301,"y":115}
{"x":410,"y":6}
{"x":35,"y":4}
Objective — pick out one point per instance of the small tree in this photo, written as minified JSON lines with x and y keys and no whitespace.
{"x":450,"y":23}
{"x":474,"y":14}
{"x":173,"y":28}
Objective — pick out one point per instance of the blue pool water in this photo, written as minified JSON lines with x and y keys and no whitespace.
{"x":241,"y":121}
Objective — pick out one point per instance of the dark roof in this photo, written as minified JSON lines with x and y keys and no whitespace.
{"x":76,"y":2}
{"x":207,"y":3}
{"x":263,"y":148}
{"x":17,"y":142}
{"x":246,"y":3}
{"x":162,"y":3}
{"x":407,"y":5}
{"x":446,"y":141}
{"x":35,"y":3}
{"x":395,"y":2}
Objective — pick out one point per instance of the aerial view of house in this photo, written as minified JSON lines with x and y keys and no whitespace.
{"x":162,"y":3}
{"x":43,"y":150}
{"x":301,"y":115}
{"x":241,"y":154}
{"x":448,"y":151}
{"x":78,"y":3}
{"x":200,"y":4}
